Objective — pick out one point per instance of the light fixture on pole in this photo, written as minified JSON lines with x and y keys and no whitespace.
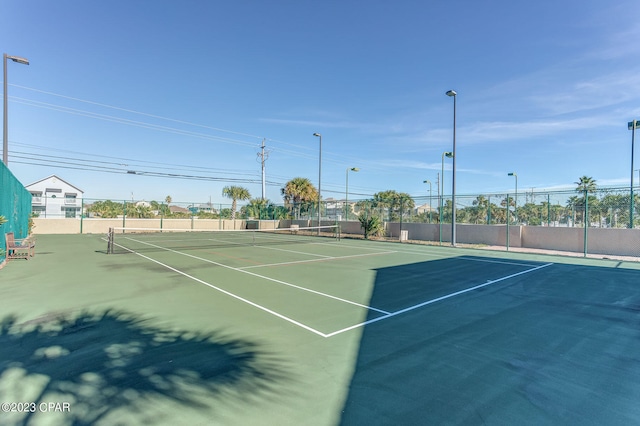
{"x":453,"y":94}
{"x":5,"y":138}
{"x":346,"y":193}
{"x":429,"y":182}
{"x":515,"y":211}
{"x":318,"y":135}
{"x":633,"y":125}
{"x":448,"y":155}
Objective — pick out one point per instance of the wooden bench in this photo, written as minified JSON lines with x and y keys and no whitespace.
{"x":19,"y":248}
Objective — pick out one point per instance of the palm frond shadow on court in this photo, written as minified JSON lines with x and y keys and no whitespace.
{"x":113,"y":359}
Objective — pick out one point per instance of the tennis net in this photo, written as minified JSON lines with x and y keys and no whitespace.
{"x":127,"y":240}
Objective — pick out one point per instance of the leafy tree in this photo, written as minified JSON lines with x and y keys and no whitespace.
{"x":422,"y":217}
{"x":299,"y":193}
{"x":207,"y":215}
{"x":181,"y":215}
{"x":168,"y":199}
{"x":107,"y":209}
{"x":529,"y":214}
{"x":140,"y":211}
{"x":371,"y":224}
{"x":235,"y":193}
{"x":394,"y":202}
{"x":279,"y":212}
{"x":506,"y":204}
{"x":257,"y":208}
{"x":480,"y":209}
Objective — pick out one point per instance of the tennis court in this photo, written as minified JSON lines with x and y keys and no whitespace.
{"x":292,"y":327}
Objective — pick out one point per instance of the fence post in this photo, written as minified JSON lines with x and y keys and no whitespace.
{"x":586,"y":221}
{"x":81,"y":214}
{"x":507,"y":222}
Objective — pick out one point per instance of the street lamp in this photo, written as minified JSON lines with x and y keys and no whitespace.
{"x":448,"y":155}
{"x":453,"y":94}
{"x":429,"y":182}
{"x":319,"y":178}
{"x":5,"y":140}
{"x":346,"y":193}
{"x":633,"y":125}
{"x":515,"y":212}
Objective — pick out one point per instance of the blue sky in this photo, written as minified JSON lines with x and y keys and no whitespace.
{"x":545,"y":89}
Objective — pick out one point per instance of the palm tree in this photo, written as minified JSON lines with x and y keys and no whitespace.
{"x":480,"y":211}
{"x":235,"y":193}
{"x":586,"y":185}
{"x":507,"y":202}
{"x":297,"y":191}
{"x":257,"y":208}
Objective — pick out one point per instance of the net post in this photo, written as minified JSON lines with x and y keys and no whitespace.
{"x":110,"y":241}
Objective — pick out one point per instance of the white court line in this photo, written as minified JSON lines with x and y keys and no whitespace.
{"x":316,"y":260}
{"x":428,"y":302}
{"x":261,"y":276}
{"x":502,"y":262}
{"x":292,"y":251}
{"x":292,"y":321}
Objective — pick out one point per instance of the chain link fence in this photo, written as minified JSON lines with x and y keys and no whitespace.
{"x":525,"y":211}
{"x":601,"y":208}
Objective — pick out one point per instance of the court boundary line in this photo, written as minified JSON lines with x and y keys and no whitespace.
{"x":293,"y":262}
{"x":329,"y":296}
{"x":502,"y":262}
{"x":437,"y":299}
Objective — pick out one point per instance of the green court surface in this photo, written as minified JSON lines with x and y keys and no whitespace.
{"x":314,"y":332}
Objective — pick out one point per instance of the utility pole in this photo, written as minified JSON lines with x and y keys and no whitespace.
{"x":263,"y":155}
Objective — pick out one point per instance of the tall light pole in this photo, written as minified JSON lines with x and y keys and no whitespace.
{"x":5,"y":138}
{"x":453,"y":94}
{"x":346,"y":193}
{"x":429,"y":182}
{"x":515,"y":212}
{"x":633,"y":125}
{"x":319,"y":179}
{"x":448,"y":155}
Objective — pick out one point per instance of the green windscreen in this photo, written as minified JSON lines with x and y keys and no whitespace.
{"x":15,"y":206}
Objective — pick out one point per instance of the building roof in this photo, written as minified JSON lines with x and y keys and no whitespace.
{"x":54,"y":177}
{"x":178,"y":209}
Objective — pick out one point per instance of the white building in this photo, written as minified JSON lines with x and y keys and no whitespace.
{"x":52,"y":197}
